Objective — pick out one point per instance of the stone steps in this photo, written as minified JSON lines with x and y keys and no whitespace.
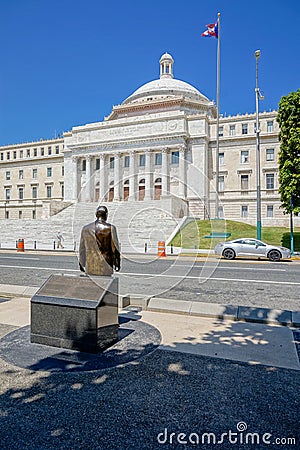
{"x":137,"y":223}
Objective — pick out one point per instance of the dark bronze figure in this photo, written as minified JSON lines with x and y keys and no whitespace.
{"x":99,"y":247}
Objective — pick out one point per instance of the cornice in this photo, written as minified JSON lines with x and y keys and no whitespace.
{"x":132,"y":107}
{"x":39,"y":143}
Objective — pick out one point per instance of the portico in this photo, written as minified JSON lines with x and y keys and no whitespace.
{"x":121,"y":176}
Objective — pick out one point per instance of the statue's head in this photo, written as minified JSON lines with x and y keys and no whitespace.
{"x":102,"y":212}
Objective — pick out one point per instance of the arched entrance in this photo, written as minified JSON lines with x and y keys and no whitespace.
{"x":126,"y":190}
{"x":142,"y":189}
{"x":157,"y":189}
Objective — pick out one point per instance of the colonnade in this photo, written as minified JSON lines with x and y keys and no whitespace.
{"x":93,"y":182}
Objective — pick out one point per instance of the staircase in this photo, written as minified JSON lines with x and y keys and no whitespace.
{"x":138,"y":223}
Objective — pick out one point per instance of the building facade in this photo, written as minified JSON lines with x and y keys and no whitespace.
{"x":159,"y":143}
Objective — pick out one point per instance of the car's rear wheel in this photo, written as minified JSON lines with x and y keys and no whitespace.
{"x":228,"y":253}
{"x":274,"y":255}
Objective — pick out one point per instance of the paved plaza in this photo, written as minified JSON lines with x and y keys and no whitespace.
{"x":224,"y":383}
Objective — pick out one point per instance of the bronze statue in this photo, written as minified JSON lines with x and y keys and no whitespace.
{"x":99,"y":247}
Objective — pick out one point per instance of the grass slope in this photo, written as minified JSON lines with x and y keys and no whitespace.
{"x":192,"y":235}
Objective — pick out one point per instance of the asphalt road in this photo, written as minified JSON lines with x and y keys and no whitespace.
{"x":242,"y":282}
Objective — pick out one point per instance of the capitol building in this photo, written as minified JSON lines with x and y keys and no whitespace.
{"x":158,"y":145}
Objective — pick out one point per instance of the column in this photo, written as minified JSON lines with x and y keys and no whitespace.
{"x":165,"y":190}
{"x":75,"y":178}
{"x":117,"y":176}
{"x":148,"y":176}
{"x":182,"y":172}
{"x":88,"y":181}
{"x":132,"y":176}
{"x":102,"y":179}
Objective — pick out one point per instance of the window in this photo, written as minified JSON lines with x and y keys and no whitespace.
{"x":126,"y":161}
{"x":7,"y":194}
{"x":7,"y":175}
{"x":6,"y":214}
{"x":175,"y":157}
{"x":49,"y":171}
{"x":42,"y":151}
{"x":270,"y":154}
{"x":270,"y":210}
{"x":232,"y":130}
{"x":83,"y":167}
{"x":34,"y":173}
{"x":35,"y":152}
{"x":2,"y":156}
{"x":62,"y":190}
{"x":244,"y":182}
{"x":63,"y":170}
{"x":20,"y":214}
{"x":158,"y":159}
{"x":244,"y":156}
{"x":111,"y":162}
{"x":142,"y":160}
{"x":28,"y":153}
{"x":21,"y":174}
{"x":21,"y":193}
{"x":57,"y":149}
{"x":49,"y":150}
{"x":270,"y":181}
{"x":34,"y":214}
{"x":8,"y":155}
{"x":15,"y":155}
{"x":244,"y":128}
{"x":221,"y":183}
{"x":244,"y":211}
{"x":21,"y":153}
{"x":97,"y":164}
{"x":221,"y":131}
{"x":49,"y":191}
{"x":34,"y":192}
{"x":270,"y":126}
{"x":221,"y":159}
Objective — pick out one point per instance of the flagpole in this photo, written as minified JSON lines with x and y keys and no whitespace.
{"x":218,"y":116}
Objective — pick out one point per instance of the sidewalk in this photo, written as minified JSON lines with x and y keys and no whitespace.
{"x":208,"y":375}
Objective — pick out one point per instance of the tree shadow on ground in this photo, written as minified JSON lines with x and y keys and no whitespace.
{"x":157,"y":396}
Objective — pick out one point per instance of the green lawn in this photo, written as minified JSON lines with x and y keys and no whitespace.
{"x":192,"y":235}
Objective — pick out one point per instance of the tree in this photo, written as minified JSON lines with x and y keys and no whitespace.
{"x":289,"y":155}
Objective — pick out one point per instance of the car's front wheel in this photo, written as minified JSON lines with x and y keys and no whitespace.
{"x":274,"y":255}
{"x":228,"y":253}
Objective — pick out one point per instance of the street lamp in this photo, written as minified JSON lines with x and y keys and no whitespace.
{"x":258,"y":97}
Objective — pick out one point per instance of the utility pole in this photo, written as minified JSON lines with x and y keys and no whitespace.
{"x":258,"y":96}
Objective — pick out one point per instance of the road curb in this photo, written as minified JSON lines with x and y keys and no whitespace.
{"x":216,"y":310}
{"x":183,"y":307}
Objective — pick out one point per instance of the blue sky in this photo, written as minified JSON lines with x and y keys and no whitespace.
{"x":66,"y":62}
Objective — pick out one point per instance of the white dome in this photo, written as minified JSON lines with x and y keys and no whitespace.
{"x":166,"y":87}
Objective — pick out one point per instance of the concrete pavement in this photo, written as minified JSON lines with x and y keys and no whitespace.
{"x":210,"y":381}
{"x":214,"y":330}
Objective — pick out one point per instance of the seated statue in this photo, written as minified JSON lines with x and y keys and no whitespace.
{"x":99,"y":247}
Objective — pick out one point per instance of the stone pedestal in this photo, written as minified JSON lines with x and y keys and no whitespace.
{"x":76,"y":312}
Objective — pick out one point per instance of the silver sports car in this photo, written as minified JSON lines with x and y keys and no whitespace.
{"x":251,"y":247}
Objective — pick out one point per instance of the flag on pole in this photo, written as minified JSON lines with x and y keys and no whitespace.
{"x":212,"y":30}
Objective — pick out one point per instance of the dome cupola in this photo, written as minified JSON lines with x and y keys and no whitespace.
{"x":166,"y":66}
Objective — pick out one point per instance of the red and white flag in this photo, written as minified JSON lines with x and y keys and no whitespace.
{"x":212,"y":30}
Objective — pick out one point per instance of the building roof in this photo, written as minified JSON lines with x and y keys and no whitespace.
{"x":166,"y":86}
